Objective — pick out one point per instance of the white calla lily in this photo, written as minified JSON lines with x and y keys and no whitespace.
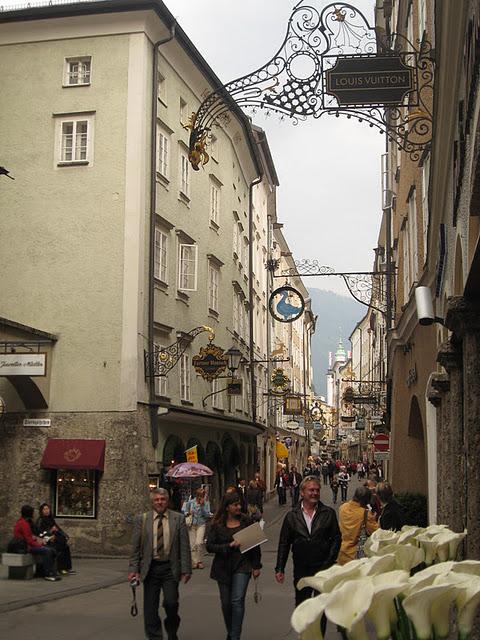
{"x":418,"y":607}
{"x":467,"y":566}
{"x":447,"y":544}
{"x":307,"y":615}
{"x":429,"y":546}
{"x":380,"y":611}
{"x":407,"y":556}
{"x":409,"y":535}
{"x":325,"y":581}
{"x":427,"y":576}
{"x":349,"y":602}
{"x":358,"y":631}
{"x":378,"y":565}
{"x":433,"y":529}
{"x":384,"y":536}
{"x":312,"y":632}
{"x":468,"y":601}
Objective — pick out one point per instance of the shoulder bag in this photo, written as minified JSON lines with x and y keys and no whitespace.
{"x":362,"y":538}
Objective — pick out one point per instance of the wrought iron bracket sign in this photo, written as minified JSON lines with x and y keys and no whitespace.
{"x":304,"y":79}
{"x":160,"y":361}
{"x":280,"y":383}
{"x":286,"y":304}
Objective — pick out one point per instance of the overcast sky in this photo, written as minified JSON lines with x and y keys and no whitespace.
{"x":329,"y":169}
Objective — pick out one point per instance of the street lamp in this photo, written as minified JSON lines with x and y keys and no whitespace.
{"x":234,"y":357}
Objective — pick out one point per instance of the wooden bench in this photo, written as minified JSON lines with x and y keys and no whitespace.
{"x":20,"y":565}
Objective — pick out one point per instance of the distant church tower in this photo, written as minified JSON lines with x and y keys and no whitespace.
{"x":339,"y":359}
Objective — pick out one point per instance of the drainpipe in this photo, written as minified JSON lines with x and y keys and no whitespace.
{"x":253,"y":380}
{"x":153,"y":208}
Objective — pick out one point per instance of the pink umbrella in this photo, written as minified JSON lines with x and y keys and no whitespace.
{"x":189,"y":470}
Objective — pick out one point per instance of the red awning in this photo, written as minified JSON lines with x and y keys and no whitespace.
{"x":74,"y":454}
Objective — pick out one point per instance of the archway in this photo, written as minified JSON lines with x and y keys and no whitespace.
{"x":173,"y":451}
{"x":231,"y":461}
{"x":213,"y":459}
{"x":415,"y":451}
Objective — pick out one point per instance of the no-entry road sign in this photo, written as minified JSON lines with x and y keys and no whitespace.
{"x":381,"y":442}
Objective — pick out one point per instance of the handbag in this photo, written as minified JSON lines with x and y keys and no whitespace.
{"x":189,"y":520}
{"x":362,"y":538}
{"x":17,"y":545}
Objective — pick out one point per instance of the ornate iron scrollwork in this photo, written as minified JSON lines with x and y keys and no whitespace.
{"x":161,"y":361}
{"x":293,"y":82}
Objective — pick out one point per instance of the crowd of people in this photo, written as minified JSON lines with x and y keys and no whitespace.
{"x":168,"y":546}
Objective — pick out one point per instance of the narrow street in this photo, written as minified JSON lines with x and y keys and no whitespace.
{"x":105,"y":613}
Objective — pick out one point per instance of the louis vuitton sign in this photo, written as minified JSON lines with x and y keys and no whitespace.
{"x":370,"y":80}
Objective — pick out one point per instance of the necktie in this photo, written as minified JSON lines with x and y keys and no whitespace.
{"x":160,"y":536}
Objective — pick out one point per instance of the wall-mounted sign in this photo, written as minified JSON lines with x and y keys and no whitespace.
{"x":369,"y":80}
{"x":360,"y":424}
{"x":286,"y":304}
{"x":210,"y":362}
{"x":23,"y":364}
{"x":292,"y":405}
{"x":37,"y":422}
{"x":381,"y":455}
{"x":234,"y":387}
{"x":280,"y":382}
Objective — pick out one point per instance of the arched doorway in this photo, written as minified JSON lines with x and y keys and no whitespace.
{"x":213,"y":459}
{"x":173,"y":451}
{"x":416,"y":448}
{"x":231,"y":461}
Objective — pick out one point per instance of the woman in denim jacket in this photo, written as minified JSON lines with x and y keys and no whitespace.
{"x":199,"y":508}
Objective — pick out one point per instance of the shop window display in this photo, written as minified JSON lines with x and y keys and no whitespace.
{"x":75,"y":493}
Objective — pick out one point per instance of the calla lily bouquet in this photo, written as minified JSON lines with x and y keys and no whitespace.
{"x":381,"y":592}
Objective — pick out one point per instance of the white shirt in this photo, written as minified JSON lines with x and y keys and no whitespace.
{"x":308,"y":519}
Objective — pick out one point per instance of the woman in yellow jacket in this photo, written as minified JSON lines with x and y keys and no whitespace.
{"x":352,"y":515}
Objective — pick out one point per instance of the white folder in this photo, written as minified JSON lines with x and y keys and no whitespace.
{"x":250,"y":537}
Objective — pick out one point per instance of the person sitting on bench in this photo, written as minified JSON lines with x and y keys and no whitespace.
{"x":47,"y":527}
{"x":36,"y":546}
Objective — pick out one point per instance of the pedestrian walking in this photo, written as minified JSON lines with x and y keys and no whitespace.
{"x":356,"y":523}
{"x":294,"y":481}
{"x":312,"y":533}
{"x":334,"y":487}
{"x":343,"y":480}
{"x":160,"y":558}
{"x":281,"y":483}
{"x":392,"y":515}
{"x":197,"y":514}
{"x":231,"y":568}
{"x":262,"y":486}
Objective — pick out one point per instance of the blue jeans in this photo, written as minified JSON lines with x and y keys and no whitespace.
{"x":48,"y":558}
{"x":232,"y":597}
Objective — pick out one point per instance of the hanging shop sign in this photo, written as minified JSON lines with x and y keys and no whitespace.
{"x":292,"y":405}
{"x":234,"y":387}
{"x":348,"y":418}
{"x":210,"y":362}
{"x":348,"y":395}
{"x":191,"y":454}
{"x":360,"y":424}
{"x":370,"y":80}
{"x":286,"y":304}
{"x":23,"y":364}
{"x":280,"y":382}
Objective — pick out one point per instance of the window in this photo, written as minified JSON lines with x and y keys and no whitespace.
{"x":160,"y":268}
{"x":161,"y":88}
{"x":217,"y":389}
{"x":422,"y":18}
{"x":214,"y":203}
{"x":184,"y":175}
{"x":187,"y":272}
{"x":75,"y":139}
{"x":413,"y":238}
{"x":213,"y":280}
{"x":163,"y":147}
{"x":425,"y":209}
{"x":161,"y":382}
{"x":214,"y":147}
{"x":75,"y":493}
{"x":77,"y":71}
{"x":183,"y":112}
{"x":236,"y":251}
{"x":185,"y":388}
{"x":236,"y":312}
{"x":406,"y":264}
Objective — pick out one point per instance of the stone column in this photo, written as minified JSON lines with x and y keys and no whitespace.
{"x":463,"y":318}
{"x":452,"y":467}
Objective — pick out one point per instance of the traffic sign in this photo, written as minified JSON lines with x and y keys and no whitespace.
{"x":381,"y":442}
{"x":381,"y":455}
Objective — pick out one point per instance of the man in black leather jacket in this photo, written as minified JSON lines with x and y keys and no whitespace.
{"x":311,"y":531}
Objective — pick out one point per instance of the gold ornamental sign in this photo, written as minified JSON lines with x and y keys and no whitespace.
{"x":210,"y":362}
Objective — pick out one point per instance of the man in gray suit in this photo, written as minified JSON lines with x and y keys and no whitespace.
{"x":160,"y":559}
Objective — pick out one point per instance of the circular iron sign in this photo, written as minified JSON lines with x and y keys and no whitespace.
{"x":286,"y":304}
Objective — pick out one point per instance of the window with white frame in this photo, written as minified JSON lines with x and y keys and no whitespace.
{"x":183,"y":112}
{"x":235,"y":239}
{"x":244,"y":252}
{"x":160,"y":255}
{"x":163,"y":151}
{"x":185,"y":381}
{"x":74,"y":139}
{"x":77,"y":71}
{"x":422,"y":18}
{"x":161,"y":88}
{"x":187,"y":267}
{"x":217,"y":398}
{"x":184,"y":174}
{"x":425,"y":208}
{"x":214,"y":203}
{"x":235,"y":314}
{"x":213,"y":282}
{"x":406,"y":264}
{"x":413,"y":238}
{"x":161,"y":382}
